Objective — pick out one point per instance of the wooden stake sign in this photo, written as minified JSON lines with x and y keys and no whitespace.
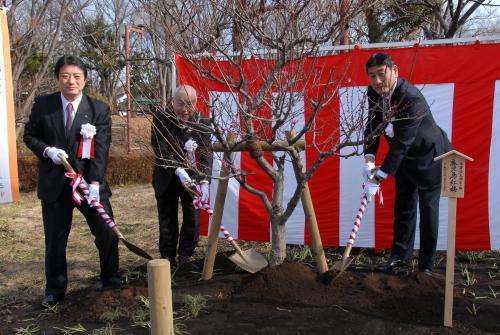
{"x":452,"y":186}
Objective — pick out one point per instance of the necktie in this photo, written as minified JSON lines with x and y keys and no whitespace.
{"x":386,"y":105}
{"x":70,"y":116}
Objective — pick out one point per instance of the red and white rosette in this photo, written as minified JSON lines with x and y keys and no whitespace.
{"x":86,"y":148}
{"x":190,"y":146}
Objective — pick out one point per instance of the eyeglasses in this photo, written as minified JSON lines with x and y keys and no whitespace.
{"x":183,"y":104}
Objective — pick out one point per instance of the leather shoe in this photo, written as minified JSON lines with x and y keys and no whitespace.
{"x":394,"y":266}
{"x":52,"y":299}
{"x":426,"y":271}
{"x":112,"y":282}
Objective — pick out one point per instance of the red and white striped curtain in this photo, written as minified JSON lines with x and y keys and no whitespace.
{"x":461,"y":85}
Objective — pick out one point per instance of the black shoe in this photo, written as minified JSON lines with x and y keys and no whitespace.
{"x":52,"y":299}
{"x":394,"y":266}
{"x":113,"y":282}
{"x":426,"y":271}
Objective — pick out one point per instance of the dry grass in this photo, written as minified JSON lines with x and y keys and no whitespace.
{"x":22,"y":242}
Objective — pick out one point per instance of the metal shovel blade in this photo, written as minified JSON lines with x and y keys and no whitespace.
{"x":135,"y":249}
{"x":342,"y":265}
{"x":336,"y":270}
{"x":251,"y":261}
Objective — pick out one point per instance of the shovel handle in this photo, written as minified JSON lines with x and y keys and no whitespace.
{"x":66,"y":164}
{"x":231,"y":240}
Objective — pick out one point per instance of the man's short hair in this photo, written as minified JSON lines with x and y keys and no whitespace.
{"x":379,"y":59}
{"x":70,"y":60}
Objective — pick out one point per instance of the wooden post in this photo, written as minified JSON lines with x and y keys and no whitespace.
{"x":312,"y":224}
{"x":160,"y":297}
{"x":220,"y":199}
{"x":452,"y":186}
{"x":450,"y":262}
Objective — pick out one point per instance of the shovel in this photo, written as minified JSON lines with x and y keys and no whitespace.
{"x":340,"y":266}
{"x":248,"y":260}
{"x":85,"y":189}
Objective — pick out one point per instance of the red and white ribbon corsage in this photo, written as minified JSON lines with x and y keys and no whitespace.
{"x":86,"y":148}
{"x":190,"y":146}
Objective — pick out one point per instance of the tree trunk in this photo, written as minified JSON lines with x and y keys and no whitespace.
{"x":278,"y":238}
{"x":278,"y":229}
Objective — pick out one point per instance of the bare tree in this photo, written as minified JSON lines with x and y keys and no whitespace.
{"x":449,"y":16}
{"x":35,"y":29}
{"x":279,"y":40}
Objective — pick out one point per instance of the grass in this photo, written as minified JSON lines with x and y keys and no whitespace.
{"x":28,"y":330}
{"x":78,"y":329}
{"x":111,"y":316}
{"x":193,"y":305}
{"x":299,"y":253}
{"x":468,"y":278}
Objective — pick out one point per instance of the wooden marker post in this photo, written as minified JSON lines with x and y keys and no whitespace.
{"x":160,"y":297}
{"x":452,"y":186}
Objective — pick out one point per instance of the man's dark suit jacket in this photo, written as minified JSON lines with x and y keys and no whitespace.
{"x":168,"y":136}
{"x":417,"y":138}
{"x":46,"y":128}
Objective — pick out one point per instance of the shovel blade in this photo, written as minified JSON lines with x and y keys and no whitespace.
{"x":136,"y":250}
{"x":251,"y":261}
{"x":342,"y":265}
{"x":336,"y":270}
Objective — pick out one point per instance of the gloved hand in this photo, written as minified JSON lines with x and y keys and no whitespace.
{"x":367,"y":170}
{"x":371,"y":189}
{"x":205,"y":192}
{"x":183,"y":175}
{"x":53,"y":153}
{"x":93,"y":193}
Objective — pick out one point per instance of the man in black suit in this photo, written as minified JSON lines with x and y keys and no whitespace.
{"x":180,"y":137}
{"x":400,"y":111}
{"x":53,"y":130}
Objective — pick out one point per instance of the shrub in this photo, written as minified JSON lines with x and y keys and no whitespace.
{"x":123,"y":168}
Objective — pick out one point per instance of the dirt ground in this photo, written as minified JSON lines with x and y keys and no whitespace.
{"x":288,"y":299}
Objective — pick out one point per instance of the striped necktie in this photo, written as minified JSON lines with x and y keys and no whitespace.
{"x":70,"y":117}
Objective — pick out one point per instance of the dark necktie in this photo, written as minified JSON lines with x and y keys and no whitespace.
{"x":70,"y":117}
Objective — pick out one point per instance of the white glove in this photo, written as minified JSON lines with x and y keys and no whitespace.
{"x":367,"y":170}
{"x":389,"y":130}
{"x":205,"y":192}
{"x":183,"y":175}
{"x":371,"y":189}
{"x":93,"y":193}
{"x":53,"y":153}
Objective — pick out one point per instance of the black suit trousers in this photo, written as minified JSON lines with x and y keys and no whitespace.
{"x":168,"y":207}
{"x":405,"y":217}
{"x":57,"y":218}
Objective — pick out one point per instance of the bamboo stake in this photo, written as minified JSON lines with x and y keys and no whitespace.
{"x":312,"y":223}
{"x":220,"y":199}
{"x":160,"y":297}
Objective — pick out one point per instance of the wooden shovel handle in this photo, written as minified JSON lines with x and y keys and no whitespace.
{"x":66,"y":164}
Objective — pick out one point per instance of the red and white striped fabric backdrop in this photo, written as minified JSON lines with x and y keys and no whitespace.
{"x":461,"y":85}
